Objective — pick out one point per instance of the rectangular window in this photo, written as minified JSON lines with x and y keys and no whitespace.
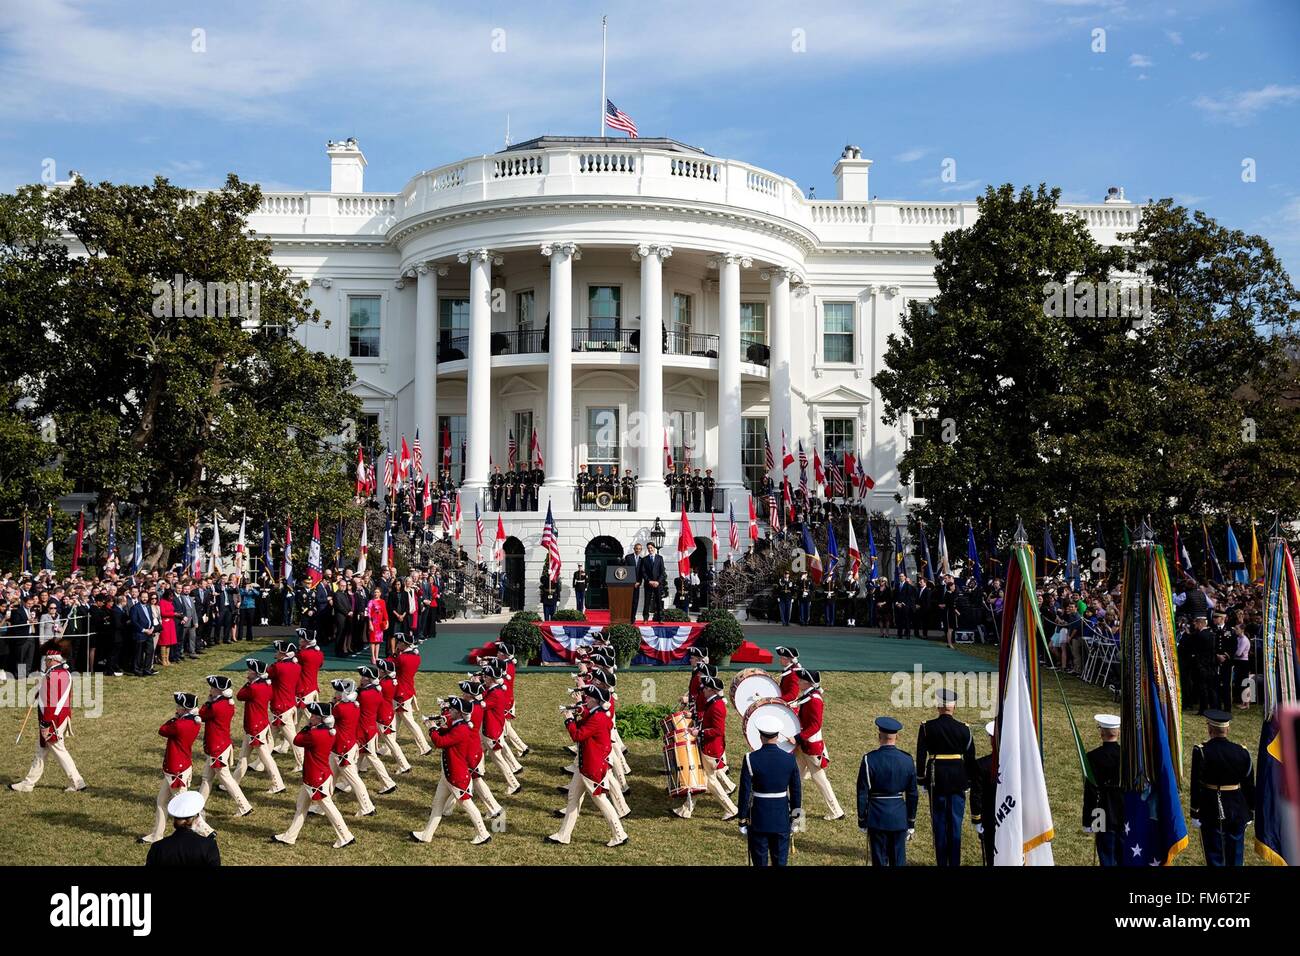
{"x":524,"y":303}
{"x":753,"y":322}
{"x":837,"y":438}
{"x":604,"y":312}
{"x":363,"y":326}
{"x":681,"y":321}
{"x":456,"y":425}
{"x":837,"y":332}
{"x":453,"y":321}
{"x":683,"y":438}
{"x":923,"y":430}
{"x":603,"y":437}
{"x":366,"y":430}
{"x":752,"y":455}
{"x":522,"y":427}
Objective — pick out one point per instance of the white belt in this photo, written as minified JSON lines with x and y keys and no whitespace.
{"x":885,"y":796}
{"x":773,"y":796}
{"x":815,"y":738}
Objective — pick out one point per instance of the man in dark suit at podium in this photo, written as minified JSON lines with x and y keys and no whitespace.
{"x":655,"y":577}
{"x":633,"y":561}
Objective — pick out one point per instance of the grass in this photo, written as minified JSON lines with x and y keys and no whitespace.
{"x":120,"y":756}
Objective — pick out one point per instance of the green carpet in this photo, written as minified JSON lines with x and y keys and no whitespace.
{"x":824,"y":649}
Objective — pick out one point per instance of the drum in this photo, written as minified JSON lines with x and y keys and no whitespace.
{"x":682,"y":760}
{"x":749,"y":685}
{"x":770,"y":707}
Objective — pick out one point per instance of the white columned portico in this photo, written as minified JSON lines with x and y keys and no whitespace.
{"x":559,"y":388}
{"x":478,"y":424}
{"x":779,"y":364}
{"x":651,"y":492}
{"x":426,"y":353}
{"x":730,"y":473}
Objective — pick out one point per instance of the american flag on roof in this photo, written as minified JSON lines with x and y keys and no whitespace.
{"x":615,"y":118}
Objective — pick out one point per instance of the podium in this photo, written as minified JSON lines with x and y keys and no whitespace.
{"x":620,"y":580}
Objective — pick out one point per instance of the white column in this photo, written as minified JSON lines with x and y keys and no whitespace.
{"x":779,"y":362}
{"x":559,"y":386}
{"x":652,"y":494}
{"x":478,"y":425}
{"x":426,"y":356}
{"x":730,"y":474}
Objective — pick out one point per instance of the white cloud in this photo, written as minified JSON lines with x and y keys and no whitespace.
{"x":1174,"y":37}
{"x":912,"y":155}
{"x":1199,"y":55}
{"x":1139,"y":59}
{"x":1241,"y":108}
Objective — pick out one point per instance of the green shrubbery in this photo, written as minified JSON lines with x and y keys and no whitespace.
{"x":626,"y":641}
{"x":568,"y":614}
{"x":721,"y":635}
{"x":642,"y":721}
{"x":675,"y":615}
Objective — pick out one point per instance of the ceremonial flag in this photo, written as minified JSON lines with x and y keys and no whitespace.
{"x":361,"y":473}
{"x":945,"y":567}
{"x":417,"y":457}
{"x":733,"y":533}
{"x":404,"y":464}
{"x":386,"y":548}
{"x":48,"y":562}
{"x":446,"y":446}
{"x":1182,"y":560}
{"x":850,"y":474}
{"x":787,"y":459}
{"x":803,"y":455}
{"x":773,"y":513}
{"x":241,"y":544}
{"x":499,"y":544}
{"x":753,"y":519}
{"x":686,"y":457}
{"x":615,"y":118}
{"x":855,"y":556}
{"x":512,"y":450}
{"x":668,"y":455}
{"x":478,"y":533}
{"x":315,"y":570}
{"x":819,"y":477}
{"x":972,"y":554}
{"x":428,"y":499}
{"x":836,"y":477}
{"x":1256,"y":562}
{"x":446,"y":515}
{"x":871,"y":553}
{"x":187,"y":550}
{"x":1236,"y":560}
{"x":713,"y":535}
{"x":536,"y":450}
{"x":337,"y":563}
{"x":814,"y":559}
{"x":286,"y":574}
{"x":1280,"y":666}
{"x":1050,"y":561}
{"x":390,"y":472}
{"x":1213,"y":570}
{"x":197,"y":557}
{"x":371,"y":484}
{"x":110,"y":560}
{"x":410,"y":496}
{"x":926,"y":568}
{"x":79,"y":542}
{"x":1072,"y":560}
{"x":364,"y":549}
{"x":137,"y":558}
{"x":26,"y":546}
{"x":685,"y":546}
{"x":458,"y":519}
{"x":865,"y":481}
{"x":267,"y":564}
{"x":900,"y":558}
{"x":832,"y":550}
{"x":551,"y":543}
{"x":789,"y":502}
{"x":767,"y":453}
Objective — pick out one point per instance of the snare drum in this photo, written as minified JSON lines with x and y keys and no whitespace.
{"x":771,"y":707}
{"x":750,"y":685}
{"x":682,"y":759}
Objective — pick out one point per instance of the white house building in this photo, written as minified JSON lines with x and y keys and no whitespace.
{"x":608,"y":292}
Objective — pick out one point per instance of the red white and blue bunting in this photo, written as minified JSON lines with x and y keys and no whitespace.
{"x":661,"y":644}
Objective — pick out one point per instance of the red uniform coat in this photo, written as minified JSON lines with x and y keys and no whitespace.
{"x":494,"y":718}
{"x":713,"y":727}
{"x":591,"y":733}
{"x":810,"y":725}
{"x":347,"y":716}
{"x":478,"y":714}
{"x":389,"y":686}
{"x":180,"y":733}
{"x":789,"y":686}
{"x":56,"y":696}
{"x":256,"y":696}
{"x":217,"y":715}
{"x":370,"y":699}
{"x":284,"y":686}
{"x":315,"y":743}
{"x":310,"y":659}
{"x":457,"y":743}
{"x":408,"y":665}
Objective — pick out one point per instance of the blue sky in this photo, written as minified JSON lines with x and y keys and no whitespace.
{"x":1011,"y":90}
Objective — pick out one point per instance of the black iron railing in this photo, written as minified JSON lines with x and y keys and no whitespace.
{"x":754,"y":352}
{"x":690,"y":343}
{"x":606,"y":340}
{"x":518,"y":342}
{"x":697,"y":502}
{"x":604,"y":500}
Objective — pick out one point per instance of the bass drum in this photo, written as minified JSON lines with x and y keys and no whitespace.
{"x":770,"y":707}
{"x":682,"y":760}
{"x":750,"y":685}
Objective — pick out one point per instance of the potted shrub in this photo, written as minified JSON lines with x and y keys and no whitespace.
{"x":721,"y":635}
{"x":526,"y":638}
{"x":675,"y":615}
{"x":626,"y":641}
{"x":568,"y":614}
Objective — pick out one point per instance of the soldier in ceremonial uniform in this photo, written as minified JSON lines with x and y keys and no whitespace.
{"x":549,"y":593}
{"x":628,"y":486}
{"x":828,"y":596}
{"x":284,"y":674}
{"x":673,"y":481}
{"x":256,"y":695}
{"x":345,"y":716}
{"x":496,"y":487}
{"x":512,"y":490}
{"x":505,"y":652}
{"x":54,"y":713}
{"x":217,"y":713}
{"x":707,"y":485}
{"x":388,"y":715}
{"x":697,"y":491}
{"x":457,"y":741}
{"x":407,"y":665}
{"x":583,"y":484}
{"x":805,"y":590}
{"x":496,"y":701}
{"x":536,"y":479}
{"x":310,"y":659}
{"x":180,"y":731}
{"x":811,"y":750}
{"x":580,"y":587}
{"x":788,"y":658}
{"x":471,"y":692}
{"x":785,"y":592}
{"x":183,"y":846}
{"x":1222,"y":797}
{"x":589,"y":726}
{"x":771,"y":797}
{"x":317,"y":743}
{"x":711,"y":731}
{"x":887,"y":797}
{"x":945,"y":754}
{"x":370,"y":699}
{"x":1103,"y":801}
{"x":983,"y":798}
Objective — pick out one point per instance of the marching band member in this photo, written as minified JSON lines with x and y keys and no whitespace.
{"x":506,"y":653}
{"x":55,"y":716}
{"x":316,"y":741}
{"x":811,"y":753}
{"x":346,"y":714}
{"x":495,"y":706}
{"x":712,"y":734}
{"x":180,"y":731}
{"x":789,"y":658}
{"x":618,"y":765}
{"x":216,"y":713}
{"x":407,"y":663}
{"x":699,"y":659}
{"x":256,"y":695}
{"x":471,"y":691}
{"x":452,"y":734}
{"x":284,"y":674}
{"x":495,"y":666}
{"x":945,"y":756}
{"x":370,"y":699}
{"x":694,"y":699}
{"x":310,"y":659}
{"x":388,"y":715}
{"x":588,"y":726}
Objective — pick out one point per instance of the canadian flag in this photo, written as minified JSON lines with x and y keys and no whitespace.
{"x":404,"y":463}
{"x":668,"y":455}
{"x":362,"y":480}
{"x":536,"y":449}
{"x":753,"y":520}
{"x":685,"y":546}
{"x":787,"y":459}
{"x":499,"y":545}
{"x":713,"y":534}
{"x":458,"y":519}
{"x":428,"y":499}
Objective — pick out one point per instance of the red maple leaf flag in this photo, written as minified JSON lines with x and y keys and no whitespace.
{"x":404,"y":463}
{"x":713,"y":535}
{"x":753,"y":520}
{"x":668,"y":455}
{"x":685,"y":546}
{"x":787,"y":459}
{"x":361,"y":473}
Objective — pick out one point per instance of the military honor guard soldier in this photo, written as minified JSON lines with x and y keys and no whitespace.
{"x":457,"y":741}
{"x":887,"y":797}
{"x":345,"y":725}
{"x":317,"y":743}
{"x":711,"y":731}
{"x":54,"y":704}
{"x":180,"y":731}
{"x":1103,"y":801}
{"x":589,"y":726}
{"x":370,"y":700}
{"x":284,"y":674}
{"x":811,"y":750}
{"x":1222,"y":792}
{"x":256,"y":697}
{"x":183,"y":846}
{"x":217,"y":713}
{"x":983,"y":798}
{"x":945,"y":752}
{"x":771,"y":797}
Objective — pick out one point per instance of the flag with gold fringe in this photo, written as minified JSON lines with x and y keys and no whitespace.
{"x":1281,"y":625}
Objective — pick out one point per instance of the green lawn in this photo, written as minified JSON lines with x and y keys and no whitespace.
{"x":120,"y":756}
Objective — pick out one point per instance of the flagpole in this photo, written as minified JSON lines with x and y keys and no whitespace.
{"x":603,"y":22}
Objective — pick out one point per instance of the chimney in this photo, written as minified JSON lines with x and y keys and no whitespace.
{"x":347,"y":166}
{"x":851,"y":175}
{"x":1115,"y":194}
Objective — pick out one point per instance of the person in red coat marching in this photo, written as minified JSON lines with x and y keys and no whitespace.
{"x":54,"y":712}
{"x":388,"y":715}
{"x":407,"y":664}
{"x":370,"y":698}
{"x":505,"y":652}
{"x":310,"y":659}
{"x":711,"y":732}
{"x":619,"y":768}
{"x":217,"y":713}
{"x":789,"y":658}
{"x":589,"y":726}
{"x":811,"y":753}
{"x":495,"y":705}
{"x":346,"y":716}
{"x":256,"y":696}
{"x":317,"y":743}
{"x":284,"y":674}
{"x":180,"y":731}
{"x":457,"y":740}
{"x":471,"y":691}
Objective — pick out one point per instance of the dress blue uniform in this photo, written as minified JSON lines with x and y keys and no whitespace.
{"x":945,"y":752}
{"x":770,"y":793}
{"x":1222,"y":794}
{"x":887,"y":799}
